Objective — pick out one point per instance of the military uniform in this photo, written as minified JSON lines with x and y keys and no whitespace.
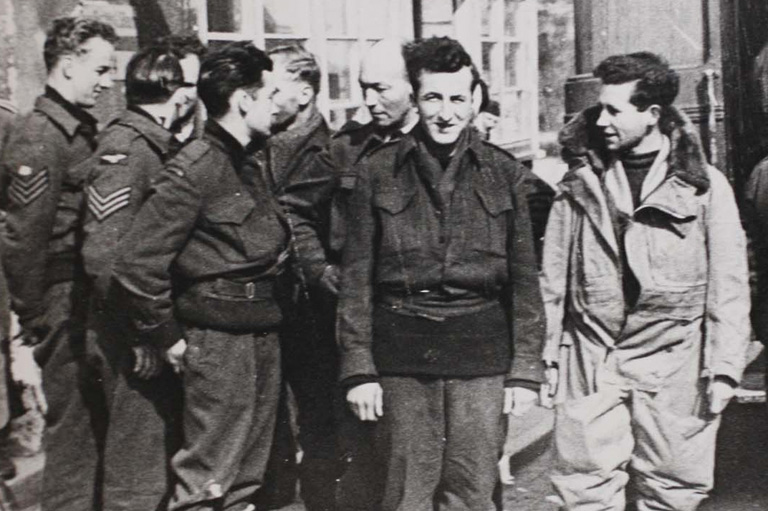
{"x":200,"y":262}
{"x":310,"y":362}
{"x":143,"y":414}
{"x":41,"y":262}
{"x":440,"y":304}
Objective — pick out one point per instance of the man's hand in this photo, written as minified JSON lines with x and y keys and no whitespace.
{"x":519,"y":400}
{"x":366,"y":401}
{"x":26,"y":372}
{"x":329,"y":280}
{"x":175,"y":356}
{"x":720,"y":393}
{"x":549,"y":389}
{"x":147,"y":363}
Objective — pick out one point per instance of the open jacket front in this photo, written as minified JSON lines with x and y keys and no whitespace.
{"x":685,"y":246}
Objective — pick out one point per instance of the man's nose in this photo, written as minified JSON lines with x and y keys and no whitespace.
{"x":446,"y":111}
{"x":371,"y":97}
{"x":106,"y":81}
{"x":603,"y":120}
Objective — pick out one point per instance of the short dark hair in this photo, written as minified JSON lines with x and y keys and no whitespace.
{"x":182,"y":45}
{"x":152,"y":76}
{"x":657,"y":83}
{"x":437,"y":55}
{"x":67,"y":36}
{"x":300,"y":64}
{"x":237,"y":65}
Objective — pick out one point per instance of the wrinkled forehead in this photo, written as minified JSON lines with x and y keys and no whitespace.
{"x":458,"y":82}
{"x":96,"y":51}
{"x":383,"y":67}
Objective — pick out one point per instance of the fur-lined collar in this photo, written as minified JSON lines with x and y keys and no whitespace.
{"x":582,"y":144}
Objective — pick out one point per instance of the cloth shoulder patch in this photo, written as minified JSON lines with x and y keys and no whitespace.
{"x":103,"y":206}
{"x":26,"y":186}
{"x":113,"y":158}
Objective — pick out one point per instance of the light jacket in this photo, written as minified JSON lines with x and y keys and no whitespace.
{"x":684,"y":244}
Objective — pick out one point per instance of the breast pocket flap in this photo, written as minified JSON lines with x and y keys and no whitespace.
{"x":393,"y":202}
{"x":495,"y":202}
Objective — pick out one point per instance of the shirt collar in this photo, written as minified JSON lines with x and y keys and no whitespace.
{"x":469,"y":141}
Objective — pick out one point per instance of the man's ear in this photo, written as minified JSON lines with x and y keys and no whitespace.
{"x":477,"y":99}
{"x":66,"y":63}
{"x":241,"y":101}
{"x":655,"y":112}
{"x":306,"y":95}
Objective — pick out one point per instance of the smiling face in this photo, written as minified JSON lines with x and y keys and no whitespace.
{"x":624,"y":127}
{"x":90,"y":72}
{"x":445,"y":104}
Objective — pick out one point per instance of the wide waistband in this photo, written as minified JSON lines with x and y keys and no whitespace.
{"x":422,"y":306}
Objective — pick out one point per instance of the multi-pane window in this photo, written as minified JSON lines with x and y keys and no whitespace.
{"x":509,"y":66}
{"x":336,"y":31}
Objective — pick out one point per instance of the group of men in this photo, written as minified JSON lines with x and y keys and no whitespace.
{"x":170,"y":283}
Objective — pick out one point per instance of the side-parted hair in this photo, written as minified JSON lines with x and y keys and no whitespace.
{"x":152,"y":76}
{"x":182,"y":45}
{"x":657,"y":83}
{"x":237,"y":65}
{"x":437,"y":55}
{"x":300,"y":64}
{"x":67,"y":36}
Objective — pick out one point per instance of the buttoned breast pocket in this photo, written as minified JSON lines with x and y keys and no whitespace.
{"x":676,"y":251}
{"x":229,"y":217}
{"x":400,"y":230}
{"x":489,"y":228}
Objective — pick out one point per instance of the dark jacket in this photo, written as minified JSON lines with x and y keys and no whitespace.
{"x":44,"y":200}
{"x":130,"y":156}
{"x":423,"y":247}
{"x":303,"y":188}
{"x":756,"y":216}
{"x":210,"y":240}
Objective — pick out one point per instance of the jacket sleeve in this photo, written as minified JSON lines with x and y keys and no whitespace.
{"x":35,"y":166}
{"x":306,"y":198}
{"x":143,"y":269}
{"x":727,"y":316}
{"x":526,"y":309}
{"x":114,"y":193}
{"x":355,"y":309}
{"x":555,"y":274}
{"x":756,"y":222}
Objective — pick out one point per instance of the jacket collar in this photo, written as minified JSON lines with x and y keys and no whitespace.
{"x":158,"y":137}
{"x":470,"y":143}
{"x":285,"y":147}
{"x":66,"y":115}
{"x":225,"y":142}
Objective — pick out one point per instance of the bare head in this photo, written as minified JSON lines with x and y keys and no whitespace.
{"x":386,"y":89}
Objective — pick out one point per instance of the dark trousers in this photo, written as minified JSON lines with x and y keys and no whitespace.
{"x":144,"y":422}
{"x":231,"y":389}
{"x":310,"y":363}
{"x":77,"y":415}
{"x":440,"y":440}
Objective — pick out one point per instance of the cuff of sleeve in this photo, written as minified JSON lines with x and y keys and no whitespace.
{"x":356,"y":363}
{"x":354,"y":381}
{"x":728,"y":373}
{"x":526,"y":384}
{"x":526,"y":368}
{"x":162,"y":336}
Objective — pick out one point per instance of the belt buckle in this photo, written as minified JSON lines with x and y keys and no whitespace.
{"x":250,"y":290}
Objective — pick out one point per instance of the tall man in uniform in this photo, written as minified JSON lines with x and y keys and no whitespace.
{"x":199,"y":269}
{"x":41,"y":256}
{"x":647,"y":300}
{"x":307,"y":341}
{"x":143,"y":393}
{"x":440,"y":320}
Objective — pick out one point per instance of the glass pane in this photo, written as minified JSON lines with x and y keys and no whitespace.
{"x":512,"y":115}
{"x":286,"y":16}
{"x":340,"y":116}
{"x":485,"y":17}
{"x":337,"y":16}
{"x":340,"y":54}
{"x":510,"y":17}
{"x":271,"y":44}
{"x":510,"y":64}
{"x":375,"y":18}
{"x":487,"y":62}
{"x":224,"y":15}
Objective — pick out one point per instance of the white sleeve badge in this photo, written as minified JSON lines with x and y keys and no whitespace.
{"x":103,"y":206}
{"x":25,"y":187}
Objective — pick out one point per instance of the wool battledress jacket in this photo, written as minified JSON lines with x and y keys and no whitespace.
{"x":439,"y":272}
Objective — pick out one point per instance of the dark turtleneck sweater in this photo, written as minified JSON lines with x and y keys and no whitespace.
{"x":636,"y":167}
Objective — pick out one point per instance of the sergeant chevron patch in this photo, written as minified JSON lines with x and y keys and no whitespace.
{"x":24,"y":189}
{"x":103,"y":206}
